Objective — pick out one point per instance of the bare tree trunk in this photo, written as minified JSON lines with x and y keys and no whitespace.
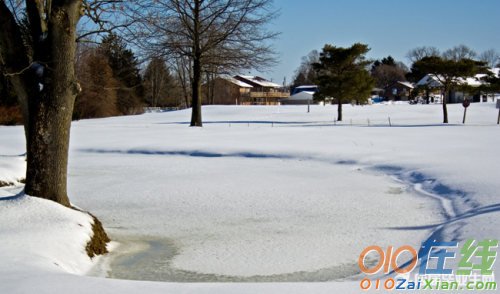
{"x":445,"y":110}
{"x":196,"y":111}
{"x":50,"y":114}
{"x":197,"y":67}
{"x":339,"y":110}
{"x":208,"y":85}
{"x":212,"y":88}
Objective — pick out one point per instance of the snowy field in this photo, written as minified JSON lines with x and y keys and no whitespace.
{"x":267,"y":194}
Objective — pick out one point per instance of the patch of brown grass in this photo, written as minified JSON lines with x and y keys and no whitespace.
{"x":6,"y":184}
{"x":97,"y":244}
{"x":98,"y":241}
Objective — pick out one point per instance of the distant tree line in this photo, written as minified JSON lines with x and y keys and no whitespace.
{"x":341,"y":73}
{"x":387,"y":70}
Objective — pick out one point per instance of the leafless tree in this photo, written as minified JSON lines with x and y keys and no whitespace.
{"x":305,"y":73}
{"x":387,"y":74}
{"x":459,"y":52}
{"x":194,"y":28}
{"x":157,"y":80}
{"x":402,"y":66}
{"x":491,"y":57}
{"x":307,"y":62}
{"x":418,"y":53}
{"x":182,"y":66}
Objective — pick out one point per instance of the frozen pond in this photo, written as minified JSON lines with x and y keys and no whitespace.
{"x":250,"y":219}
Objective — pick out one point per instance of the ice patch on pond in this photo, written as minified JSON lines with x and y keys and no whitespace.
{"x":254,"y":226}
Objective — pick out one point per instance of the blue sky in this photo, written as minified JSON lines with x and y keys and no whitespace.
{"x":389,"y":27}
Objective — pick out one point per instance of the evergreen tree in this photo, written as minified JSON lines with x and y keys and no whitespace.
{"x":126,"y":71}
{"x":491,"y":84}
{"x":389,"y":61}
{"x":385,"y":61}
{"x":388,"y":71}
{"x":299,"y":80}
{"x":415,"y":75}
{"x":342,"y":75}
{"x":98,"y":95}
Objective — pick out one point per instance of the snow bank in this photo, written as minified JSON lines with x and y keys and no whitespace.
{"x":12,"y":169}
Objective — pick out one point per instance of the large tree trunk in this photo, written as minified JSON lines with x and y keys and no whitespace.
{"x":339,"y":118}
{"x":445,"y":110}
{"x":50,"y":114}
{"x":196,"y":103}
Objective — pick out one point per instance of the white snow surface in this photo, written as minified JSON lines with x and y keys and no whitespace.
{"x":259,"y":191}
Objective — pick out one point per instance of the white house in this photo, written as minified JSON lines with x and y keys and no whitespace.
{"x":304,"y":95}
{"x":455,"y":96}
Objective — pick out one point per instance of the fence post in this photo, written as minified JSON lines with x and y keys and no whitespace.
{"x":390,"y":121}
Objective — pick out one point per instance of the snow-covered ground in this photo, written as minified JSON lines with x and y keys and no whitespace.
{"x":259,"y":194}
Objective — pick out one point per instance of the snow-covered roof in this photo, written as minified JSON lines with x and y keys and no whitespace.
{"x":260,"y":81}
{"x":306,"y":87}
{"x":304,"y":95}
{"x":408,"y":84}
{"x":430,"y":80}
{"x":238,"y":82}
{"x":433,"y":81}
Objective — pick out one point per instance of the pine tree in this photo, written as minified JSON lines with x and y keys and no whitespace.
{"x":388,"y":71}
{"x":342,"y":75}
{"x":98,"y":96}
{"x":126,"y":71}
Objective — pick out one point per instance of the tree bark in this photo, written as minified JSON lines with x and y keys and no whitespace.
{"x":51,"y":113}
{"x":196,"y":103}
{"x":196,"y":85}
{"x":339,"y":111}
{"x":445,"y":110}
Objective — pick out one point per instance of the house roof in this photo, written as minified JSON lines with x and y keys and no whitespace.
{"x":433,"y":81}
{"x":306,"y":86}
{"x":238,"y":82}
{"x":408,"y":84}
{"x":258,"y":81}
{"x":304,"y":95}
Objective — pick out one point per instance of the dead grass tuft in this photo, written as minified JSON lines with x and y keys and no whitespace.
{"x":97,"y":244}
{"x":6,"y":184}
